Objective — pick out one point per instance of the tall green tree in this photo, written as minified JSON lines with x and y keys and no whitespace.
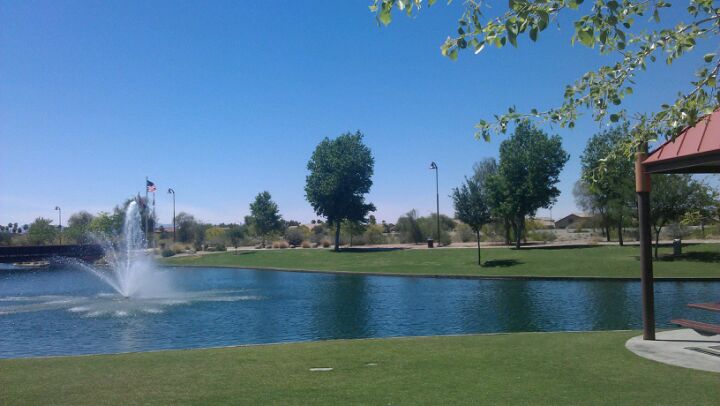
{"x":529,"y":170}
{"x":472,"y":205}
{"x":264,"y":216}
{"x":705,"y":206}
{"x":41,"y":232}
{"x":630,"y":34}
{"x":78,"y":228}
{"x":609,"y":177}
{"x":340,"y":175}
{"x":672,"y":197}
{"x":409,"y":229}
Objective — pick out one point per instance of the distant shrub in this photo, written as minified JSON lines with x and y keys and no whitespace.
{"x":445,"y":239}
{"x":374,"y":234}
{"x":464,"y":233}
{"x":306,"y":244}
{"x":295,"y":236}
{"x":179,"y":248}
{"x":167,"y":253}
{"x":280,"y":244}
{"x":325,"y":243}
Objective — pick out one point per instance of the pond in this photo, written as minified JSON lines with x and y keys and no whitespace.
{"x":65,"y":310}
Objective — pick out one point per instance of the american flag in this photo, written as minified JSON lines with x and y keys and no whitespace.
{"x":150,"y":186}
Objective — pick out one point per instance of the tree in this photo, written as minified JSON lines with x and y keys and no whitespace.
{"x":235,"y":234}
{"x":608,"y":176}
{"x":340,"y":175}
{"x":671,"y":200}
{"x":216,"y":236}
{"x":41,"y":232}
{"x":610,"y":27}
{"x":529,"y":169}
{"x":295,"y":235}
{"x":264,"y":216}
{"x":705,"y":206}
{"x":409,"y":229}
{"x":78,"y":228}
{"x":186,"y":227}
{"x":472,"y":207}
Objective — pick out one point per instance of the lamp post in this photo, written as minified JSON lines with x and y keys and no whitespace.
{"x":172,"y":192}
{"x":59,"y":221}
{"x":434,"y":166}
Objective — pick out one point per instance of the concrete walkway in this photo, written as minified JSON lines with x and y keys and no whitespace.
{"x":671,"y":347}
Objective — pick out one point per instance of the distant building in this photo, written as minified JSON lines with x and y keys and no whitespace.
{"x":571,"y":219}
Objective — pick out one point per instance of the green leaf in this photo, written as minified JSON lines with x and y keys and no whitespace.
{"x":709,"y":57}
{"x":586,"y":37}
{"x":614,"y":118}
{"x":533,"y":34}
{"x":385,"y":17}
{"x":453,"y":54}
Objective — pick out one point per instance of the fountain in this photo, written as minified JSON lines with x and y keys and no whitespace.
{"x":131,"y":271}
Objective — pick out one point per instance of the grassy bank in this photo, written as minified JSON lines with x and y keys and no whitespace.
{"x":605,"y":261}
{"x":549,"y":368}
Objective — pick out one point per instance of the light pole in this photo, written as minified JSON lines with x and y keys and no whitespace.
{"x":172,"y":192}
{"x":433,"y":165}
{"x":59,"y":221}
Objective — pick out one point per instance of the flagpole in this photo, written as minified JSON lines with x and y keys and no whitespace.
{"x":146,"y":217}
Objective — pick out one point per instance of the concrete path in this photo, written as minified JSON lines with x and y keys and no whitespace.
{"x":671,"y":347}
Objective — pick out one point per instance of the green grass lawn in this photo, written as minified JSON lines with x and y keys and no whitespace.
{"x":520,"y":368}
{"x":606,"y":261}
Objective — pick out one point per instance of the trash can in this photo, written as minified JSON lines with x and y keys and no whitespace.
{"x":430,"y":243}
{"x":677,"y":247}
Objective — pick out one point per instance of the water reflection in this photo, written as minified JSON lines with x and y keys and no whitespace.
{"x":65,"y":311}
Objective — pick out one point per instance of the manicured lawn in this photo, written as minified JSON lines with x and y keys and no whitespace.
{"x":606,"y":261}
{"x":521,"y":368}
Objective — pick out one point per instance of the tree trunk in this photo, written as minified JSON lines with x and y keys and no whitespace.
{"x":478,"y":241}
{"x":702,"y":229}
{"x":657,"y":242}
{"x":507,"y":231}
{"x":518,"y":233}
{"x":620,"y":230}
{"x":337,"y":237}
{"x":607,"y":231}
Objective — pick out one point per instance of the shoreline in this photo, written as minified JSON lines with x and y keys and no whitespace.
{"x":450,"y":276}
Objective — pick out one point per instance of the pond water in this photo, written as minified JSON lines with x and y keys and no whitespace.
{"x":64,"y":310}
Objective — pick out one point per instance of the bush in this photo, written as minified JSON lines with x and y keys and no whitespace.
{"x":325,"y":243}
{"x":280,"y":244}
{"x":167,"y":253}
{"x":306,"y":244}
{"x":445,"y":239}
{"x":374,"y":234}
{"x":295,"y":236}
{"x":464,"y":233}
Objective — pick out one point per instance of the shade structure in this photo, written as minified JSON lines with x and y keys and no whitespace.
{"x":695,"y":150}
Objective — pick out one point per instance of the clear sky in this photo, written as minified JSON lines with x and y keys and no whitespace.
{"x":221,"y":100}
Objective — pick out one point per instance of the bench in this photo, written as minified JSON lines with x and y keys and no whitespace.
{"x":705,"y":329}
{"x":713,"y":307}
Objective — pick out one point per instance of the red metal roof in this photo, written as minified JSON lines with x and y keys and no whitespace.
{"x":695,"y":150}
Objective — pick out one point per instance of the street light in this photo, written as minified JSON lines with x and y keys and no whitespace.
{"x":172,"y":192}
{"x":433,"y":165}
{"x":59,"y":221}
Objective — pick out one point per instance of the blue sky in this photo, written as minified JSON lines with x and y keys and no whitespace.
{"x":221,"y":100}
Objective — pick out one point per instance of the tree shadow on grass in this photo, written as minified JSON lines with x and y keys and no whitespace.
{"x":501,"y":263}
{"x":692,"y":257}
{"x":244,"y":252}
{"x":370,"y":249}
{"x":530,"y":247}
